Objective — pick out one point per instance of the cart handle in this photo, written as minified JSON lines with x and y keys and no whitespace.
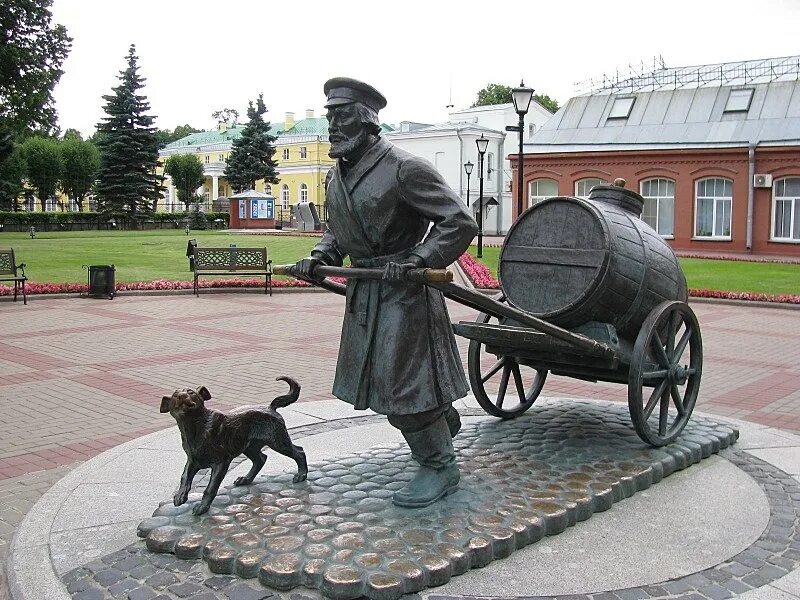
{"x":415,"y":275}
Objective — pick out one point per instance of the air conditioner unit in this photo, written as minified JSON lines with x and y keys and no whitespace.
{"x":762,"y":180}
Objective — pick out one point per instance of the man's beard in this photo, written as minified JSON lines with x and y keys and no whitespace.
{"x":341,"y":148}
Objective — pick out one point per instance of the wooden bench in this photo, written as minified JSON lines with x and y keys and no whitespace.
{"x":232,"y":261}
{"x":9,"y":272}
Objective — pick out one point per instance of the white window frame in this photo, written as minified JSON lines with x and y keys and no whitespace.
{"x":794,"y":212}
{"x":660,"y":200}
{"x":303,"y":192}
{"x":718,"y":206}
{"x":303,"y":152}
{"x":268,"y":189}
{"x":583,"y":183}
{"x":489,"y":165}
{"x":285,"y":154}
{"x":285,"y":196}
{"x":50,"y":205}
{"x":207,"y":158}
{"x":534,"y":197}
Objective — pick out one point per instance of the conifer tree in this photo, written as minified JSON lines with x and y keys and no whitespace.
{"x":127,"y":183}
{"x":251,"y":154}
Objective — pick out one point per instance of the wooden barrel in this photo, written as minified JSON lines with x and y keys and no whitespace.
{"x":570,"y":261}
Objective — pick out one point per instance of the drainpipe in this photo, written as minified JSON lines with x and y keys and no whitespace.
{"x":751,"y":171}
{"x":500,"y":190}
{"x":460,"y":163}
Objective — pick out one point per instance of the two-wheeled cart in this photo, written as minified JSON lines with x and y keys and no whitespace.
{"x":589,"y":291}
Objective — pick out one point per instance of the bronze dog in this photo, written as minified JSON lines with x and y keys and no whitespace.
{"x":213,"y":439}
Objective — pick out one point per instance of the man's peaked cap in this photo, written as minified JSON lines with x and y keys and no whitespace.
{"x":344,"y":90}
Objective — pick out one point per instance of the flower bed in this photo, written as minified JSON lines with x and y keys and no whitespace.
{"x":481,"y":277}
{"x":34,"y":288}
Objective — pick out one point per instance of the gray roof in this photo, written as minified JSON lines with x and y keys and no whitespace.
{"x":678,"y":115}
{"x":448,"y":126}
{"x":250,"y":194}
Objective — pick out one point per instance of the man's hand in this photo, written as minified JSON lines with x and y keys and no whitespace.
{"x":304,"y":268}
{"x":394,"y":271}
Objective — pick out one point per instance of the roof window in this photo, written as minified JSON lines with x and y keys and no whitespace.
{"x":621,"y":109}
{"x":739,"y":100}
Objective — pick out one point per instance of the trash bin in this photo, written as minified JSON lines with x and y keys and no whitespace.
{"x":190,"y":248}
{"x":101,"y":281}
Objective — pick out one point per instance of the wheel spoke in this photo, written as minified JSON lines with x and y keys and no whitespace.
{"x":501,"y":392}
{"x":674,"y":323}
{"x":651,"y":403}
{"x":676,"y":399}
{"x":518,"y":382}
{"x":661,"y":356}
{"x":663,"y":413}
{"x":660,"y":374}
{"x":681,"y":345}
{"x":495,"y":368}
{"x":691,"y":371}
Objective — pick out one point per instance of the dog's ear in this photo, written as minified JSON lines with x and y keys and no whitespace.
{"x":203,"y":392}
{"x":165,"y":404}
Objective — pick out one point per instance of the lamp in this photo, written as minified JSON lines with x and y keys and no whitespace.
{"x":521,"y":97}
{"x":482,"y":143}
{"x":468,"y":170}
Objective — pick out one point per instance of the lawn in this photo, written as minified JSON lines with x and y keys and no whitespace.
{"x":722,"y":275}
{"x":59,"y":257}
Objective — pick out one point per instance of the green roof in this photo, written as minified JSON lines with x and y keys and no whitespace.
{"x":216,"y":137}
{"x":312,"y":126}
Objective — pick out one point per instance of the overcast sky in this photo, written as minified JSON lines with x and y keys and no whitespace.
{"x":199,"y":56}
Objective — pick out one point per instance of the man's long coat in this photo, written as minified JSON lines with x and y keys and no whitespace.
{"x":397,"y":354}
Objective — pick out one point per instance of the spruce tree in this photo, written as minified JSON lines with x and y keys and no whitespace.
{"x":127,"y":183}
{"x":251,"y":154}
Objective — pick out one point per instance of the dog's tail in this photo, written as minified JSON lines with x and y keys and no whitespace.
{"x":287,"y":399}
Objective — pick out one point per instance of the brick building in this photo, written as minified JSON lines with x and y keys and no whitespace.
{"x":714,"y":149}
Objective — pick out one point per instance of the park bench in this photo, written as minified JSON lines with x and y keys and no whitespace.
{"x":232,"y":261}
{"x":9,"y":272}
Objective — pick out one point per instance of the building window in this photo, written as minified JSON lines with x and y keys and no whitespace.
{"x":221,"y":157}
{"x":531,"y":129}
{"x":50,"y":205}
{"x":285,"y":154}
{"x":303,"y":192}
{"x":489,"y":166}
{"x":659,"y":205}
{"x":208,"y":158}
{"x":285,"y":196}
{"x":713,"y":200}
{"x":739,"y":100}
{"x":268,"y":189}
{"x":540,"y":189}
{"x":438,"y":160}
{"x":30,"y":204}
{"x":584,"y":186}
{"x":621,"y":109}
{"x":303,"y":152}
{"x":786,"y":208}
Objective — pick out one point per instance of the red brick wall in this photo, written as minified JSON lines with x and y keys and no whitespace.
{"x":247,"y":223}
{"x":685,"y":167}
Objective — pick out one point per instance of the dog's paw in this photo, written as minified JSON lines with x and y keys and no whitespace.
{"x":180,"y":498}
{"x":300,"y":477}
{"x":201,"y":507}
{"x":242,"y":481}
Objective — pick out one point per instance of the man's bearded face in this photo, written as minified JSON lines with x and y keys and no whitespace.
{"x":346,"y":132}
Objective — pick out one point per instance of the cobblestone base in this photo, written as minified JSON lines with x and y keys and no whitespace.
{"x":339,"y":533}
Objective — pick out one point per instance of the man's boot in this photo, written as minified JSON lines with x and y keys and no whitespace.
{"x":453,"y":420}
{"x":437,"y":474}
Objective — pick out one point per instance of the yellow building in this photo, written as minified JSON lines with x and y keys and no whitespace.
{"x":301,"y":153}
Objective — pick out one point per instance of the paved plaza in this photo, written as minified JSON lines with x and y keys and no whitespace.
{"x":81,"y":376}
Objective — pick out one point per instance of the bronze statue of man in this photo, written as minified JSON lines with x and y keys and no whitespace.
{"x":389,"y":209}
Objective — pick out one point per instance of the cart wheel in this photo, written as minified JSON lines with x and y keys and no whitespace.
{"x":667,"y":357}
{"x":528,"y":382}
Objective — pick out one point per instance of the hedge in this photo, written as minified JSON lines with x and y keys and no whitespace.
{"x":43,"y":219}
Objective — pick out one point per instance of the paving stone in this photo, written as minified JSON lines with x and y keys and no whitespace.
{"x":183,"y":590}
{"x":245,"y":592}
{"x":142,"y":593}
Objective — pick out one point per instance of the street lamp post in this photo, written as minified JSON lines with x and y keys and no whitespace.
{"x":482,"y":144}
{"x":468,"y":170}
{"x":522,"y":100}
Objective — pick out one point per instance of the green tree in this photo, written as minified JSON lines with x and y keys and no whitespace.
{"x":12,"y":174}
{"x":81,"y":162}
{"x":251,"y":154}
{"x":32,"y":51}
{"x":497,"y":93}
{"x":127,"y":183}
{"x":44,"y":166}
{"x":72,"y":134}
{"x":186,"y":171}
